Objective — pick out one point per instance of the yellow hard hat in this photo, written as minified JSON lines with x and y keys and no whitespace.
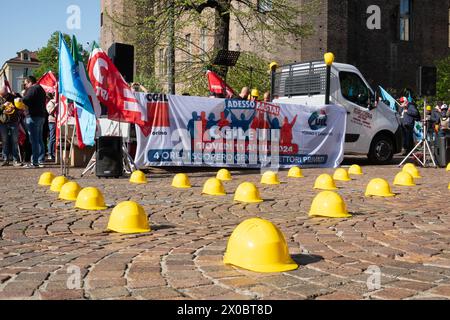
{"x":8,"y":108}
{"x":138,"y":177}
{"x":341,"y":175}
{"x":19,"y":104}
{"x":91,"y":199}
{"x":247,"y":192}
{"x":448,"y":167}
{"x":273,"y":65}
{"x":404,"y":179}
{"x":270,"y":178}
{"x":325,"y":182}
{"x":57,"y":183}
{"x":214,"y":187}
{"x":181,"y":181}
{"x":412,"y":171}
{"x":379,"y":188}
{"x":409,"y":165}
{"x":258,"y":245}
{"x":355,"y":170}
{"x":329,"y":204}
{"x":70,"y":191}
{"x":224,"y":175}
{"x":255,"y":93}
{"x":429,"y":108}
{"x":295,"y":172}
{"x":129,"y":218}
{"x":46,"y":179}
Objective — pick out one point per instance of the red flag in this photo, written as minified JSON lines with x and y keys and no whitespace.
{"x":7,"y":85}
{"x":218,"y":86}
{"x":48,"y":82}
{"x":113,"y":91}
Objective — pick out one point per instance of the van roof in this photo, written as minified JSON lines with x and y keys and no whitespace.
{"x":301,"y":65}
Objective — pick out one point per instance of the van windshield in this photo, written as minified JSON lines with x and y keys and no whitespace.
{"x":354,"y":89}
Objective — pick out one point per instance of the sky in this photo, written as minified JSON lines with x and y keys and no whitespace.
{"x":28,"y":24}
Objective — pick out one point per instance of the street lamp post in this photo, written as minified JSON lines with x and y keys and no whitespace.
{"x":329,"y":59}
{"x":273,"y":69}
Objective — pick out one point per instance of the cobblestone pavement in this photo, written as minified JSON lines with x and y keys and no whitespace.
{"x":42,"y":239}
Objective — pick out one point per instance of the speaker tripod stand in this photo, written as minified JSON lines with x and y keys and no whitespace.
{"x":424,"y":144}
{"x":128,"y":163}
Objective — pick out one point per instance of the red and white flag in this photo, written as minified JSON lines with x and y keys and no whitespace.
{"x":49,"y":82}
{"x":114,"y":92}
{"x":218,"y":86}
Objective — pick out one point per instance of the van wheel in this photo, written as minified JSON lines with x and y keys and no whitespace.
{"x":381,"y":150}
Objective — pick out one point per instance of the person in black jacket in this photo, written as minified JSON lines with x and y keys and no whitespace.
{"x":9,"y":128}
{"x":34,"y":99}
{"x":410,"y":115}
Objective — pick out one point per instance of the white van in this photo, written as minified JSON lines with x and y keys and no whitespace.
{"x":372,"y":129}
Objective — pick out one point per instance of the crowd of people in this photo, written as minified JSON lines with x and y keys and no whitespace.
{"x":38,"y":119}
{"x":437,"y":122}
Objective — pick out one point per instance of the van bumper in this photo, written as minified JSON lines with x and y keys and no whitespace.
{"x":398,"y":140}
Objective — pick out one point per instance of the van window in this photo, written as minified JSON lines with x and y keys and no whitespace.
{"x":354,"y":89}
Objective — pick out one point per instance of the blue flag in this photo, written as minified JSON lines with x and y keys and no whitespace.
{"x":71,"y":86}
{"x":410,"y":99}
{"x":386,"y":96}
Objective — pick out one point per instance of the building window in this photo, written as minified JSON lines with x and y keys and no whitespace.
{"x":405,"y":20}
{"x":25,"y":56}
{"x":188,"y":40}
{"x":265,"y":6}
{"x":203,"y":40}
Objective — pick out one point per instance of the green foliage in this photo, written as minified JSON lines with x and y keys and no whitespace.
{"x":443,"y":83}
{"x":147,"y":22}
{"x":48,"y":55}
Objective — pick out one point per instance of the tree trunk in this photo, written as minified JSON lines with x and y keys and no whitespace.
{"x":222,"y":35}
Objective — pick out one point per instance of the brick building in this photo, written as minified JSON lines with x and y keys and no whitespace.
{"x":412,"y":33}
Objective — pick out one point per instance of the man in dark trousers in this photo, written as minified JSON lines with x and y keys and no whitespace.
{"x":35,"y":99}
{"x":410,"y":115}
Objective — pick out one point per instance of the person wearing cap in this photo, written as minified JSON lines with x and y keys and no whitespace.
{"x":255,"y":95}
{"x":409,"y":116}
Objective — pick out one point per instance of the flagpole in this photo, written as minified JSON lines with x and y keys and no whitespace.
{"x":71,"y":148}
{"x":60,"y":136}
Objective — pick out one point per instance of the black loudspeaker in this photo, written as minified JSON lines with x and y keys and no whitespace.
{"x":442,"y":151}
{"x":122,"y":56}
{"x":109,"y":157}
{"x":427,"y":81}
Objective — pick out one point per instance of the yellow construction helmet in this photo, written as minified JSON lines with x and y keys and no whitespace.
{"x":258,"y":245}
{"x":412,"y":170}
{"x":129,"y":218}
{"x":247,"y":192}
{"x":138,"y":177}
{"x":355,"y":170}
{"x":58,"y":183}
{"x":255,"y":93}
{"x":270,"y":178}
{"x":214,"y":187}
{"x":341,"y":175}
{"x":224,"y":175}
{"x":404,"y":179}
{"x":46,"y":179}
{"x":329,"y":204}
{"x":273,"y":65}
{"x":379,"y":188}
{"x":295,"y":172}
{"x":91,"y":199}
{"x":325,"y":182}
{"x":70,"y":191}
{"x":181,"y":181}
{"x":19,"y":104}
